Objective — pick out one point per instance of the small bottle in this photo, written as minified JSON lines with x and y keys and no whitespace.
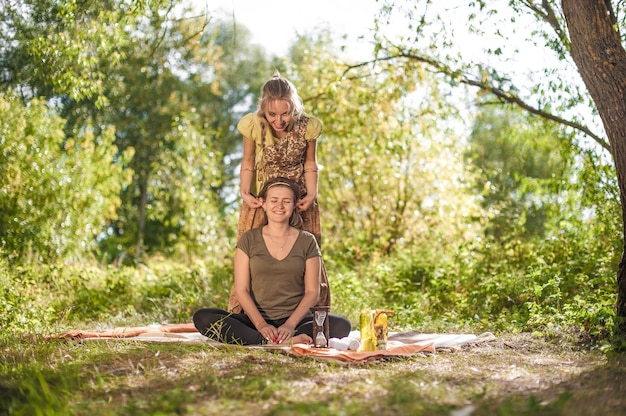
{"x":380,"y":328}
{"x":368,"y":338}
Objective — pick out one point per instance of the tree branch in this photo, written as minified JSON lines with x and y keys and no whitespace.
{"x":460,"y":77}
{"x":547,"y":13}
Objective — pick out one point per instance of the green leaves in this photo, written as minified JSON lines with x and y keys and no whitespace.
{"x":56,"y":195}
{"x":63,"y":47}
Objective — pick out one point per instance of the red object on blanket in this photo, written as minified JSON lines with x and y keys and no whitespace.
{"x":394,"y":349}
{"x":123,"y":332}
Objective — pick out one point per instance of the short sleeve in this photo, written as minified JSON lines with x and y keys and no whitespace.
{"x":312,"y":250}
{"x":313,"y":129}
{"x":245,"y":242}
{"x":249,"y":126}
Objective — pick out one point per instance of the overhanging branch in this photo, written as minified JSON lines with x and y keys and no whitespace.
{"x":504,"y":96}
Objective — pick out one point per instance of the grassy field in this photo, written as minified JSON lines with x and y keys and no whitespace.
{"x":511,"y":375}
{"x":551,"y":356}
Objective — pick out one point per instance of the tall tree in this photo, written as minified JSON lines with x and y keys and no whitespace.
{"x":175,"y":102}
{"x":148,"y":101}
{"x":167,"y":79}
{"x":597,"y":49}
{"x":59,"y":51}
{"x":477,"y":44}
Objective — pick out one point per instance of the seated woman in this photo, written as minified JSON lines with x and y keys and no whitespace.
{"x":277,"y":279}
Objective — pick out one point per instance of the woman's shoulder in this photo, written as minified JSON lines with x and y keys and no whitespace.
{"x":253,"y":232}
{"x":313,"y":128}
{"x":309,"y":243}
{"x":306,"y":234}
{"x":249,"y":237}
{"x":249,"y":124}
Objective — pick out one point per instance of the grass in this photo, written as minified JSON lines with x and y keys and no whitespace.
{"x":513,"y":375}
{"x":565,"y":366}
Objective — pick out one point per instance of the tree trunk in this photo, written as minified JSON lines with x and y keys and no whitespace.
{"x":141,"y":222}
{"x":601,"y":60}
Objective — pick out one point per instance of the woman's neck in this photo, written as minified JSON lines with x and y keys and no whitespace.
{"x":279,"y":134}
{"x":277,"y":229}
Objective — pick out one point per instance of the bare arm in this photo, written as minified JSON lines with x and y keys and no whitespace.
{"x":242,"y":290}
{"x":310,"y":176}
{"x":247,"y":173}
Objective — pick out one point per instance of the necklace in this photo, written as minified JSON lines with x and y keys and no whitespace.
{"x":282,"y":246}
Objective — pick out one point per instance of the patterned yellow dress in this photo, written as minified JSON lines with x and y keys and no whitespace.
{"x":281,"y":157}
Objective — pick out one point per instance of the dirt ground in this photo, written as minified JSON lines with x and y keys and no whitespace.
{"x":517,"y":374}
{"x":525,"y":372}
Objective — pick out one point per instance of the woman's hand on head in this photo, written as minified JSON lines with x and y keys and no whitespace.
{"x":305,"y":203}
{"x":251,"y":201}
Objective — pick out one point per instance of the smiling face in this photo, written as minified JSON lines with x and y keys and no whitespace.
{"x":279,"y":115}
{"x":279,"y":203}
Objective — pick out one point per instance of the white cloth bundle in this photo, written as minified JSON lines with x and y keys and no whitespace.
{"x":343,"y":344}
{"x":353,"y":344}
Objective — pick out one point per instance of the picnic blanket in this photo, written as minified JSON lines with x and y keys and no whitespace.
{"x":400,"y":344}
{"x":128,"y":332}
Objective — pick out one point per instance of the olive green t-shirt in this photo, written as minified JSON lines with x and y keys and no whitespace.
{"x":277,"y":286}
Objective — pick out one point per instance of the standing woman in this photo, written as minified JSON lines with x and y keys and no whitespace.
{"x":280,"y":140}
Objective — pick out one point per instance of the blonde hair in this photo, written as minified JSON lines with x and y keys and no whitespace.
{"x":279,"y":88}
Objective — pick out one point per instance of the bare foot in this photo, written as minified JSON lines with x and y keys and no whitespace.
{"x":301,"y":339}
{"x":298,"y":339}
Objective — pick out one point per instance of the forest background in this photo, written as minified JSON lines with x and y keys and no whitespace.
{"x":464,"y":195}
{"x":119,"y":178}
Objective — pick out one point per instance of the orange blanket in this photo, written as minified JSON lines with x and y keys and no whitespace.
{"x":394,"y":349}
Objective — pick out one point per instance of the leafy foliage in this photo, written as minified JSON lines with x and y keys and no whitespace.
{"x":523,"y":168}
{"x":60,"y":47}
{"x":56,"y":194}
{"x":457,"y":220}
{"x":391,"y":166}
{"x":506,"y":223}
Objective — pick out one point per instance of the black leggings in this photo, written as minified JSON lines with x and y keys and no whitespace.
{"x":237,"y":328}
